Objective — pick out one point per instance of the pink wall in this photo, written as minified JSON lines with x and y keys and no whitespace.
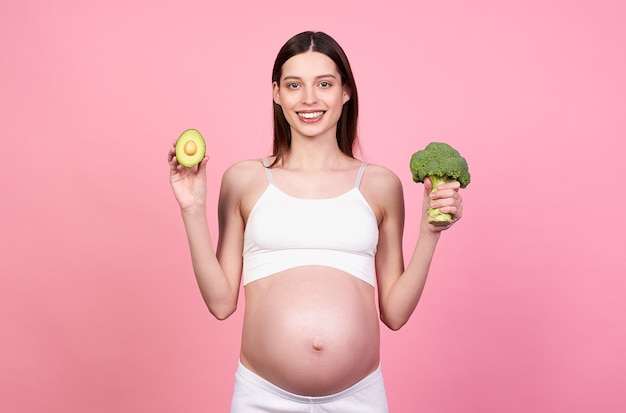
{"x":524,"y":310}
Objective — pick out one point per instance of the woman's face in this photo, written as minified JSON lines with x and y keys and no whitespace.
{"x":311,"y":94}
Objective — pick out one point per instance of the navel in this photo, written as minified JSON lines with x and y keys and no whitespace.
{"x":318,"y":344}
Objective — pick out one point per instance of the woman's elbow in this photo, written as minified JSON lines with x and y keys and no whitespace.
{"x":393,"y":323}
{"x":222,"y":312}
{"x":221,"y":307}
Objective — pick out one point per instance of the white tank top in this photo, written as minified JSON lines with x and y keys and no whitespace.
{"x":284,"y":232}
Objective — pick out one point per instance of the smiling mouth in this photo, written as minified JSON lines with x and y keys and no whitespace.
{"x":310,"y":115}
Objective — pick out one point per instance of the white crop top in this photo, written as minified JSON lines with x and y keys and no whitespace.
{"x":284,"y":232}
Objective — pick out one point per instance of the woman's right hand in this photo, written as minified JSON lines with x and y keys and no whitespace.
{"x":188,"y":184}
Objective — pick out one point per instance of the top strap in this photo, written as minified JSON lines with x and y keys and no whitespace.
{"x":360,"y":175}
{"x":268,"y":173}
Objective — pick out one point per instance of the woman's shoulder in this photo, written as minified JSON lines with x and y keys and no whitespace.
{"x":381,"y":177}
{"x":244,"y":167}
{"x":243,"y":173}
{"x":242,"y":184}
{"x":382,"y":188}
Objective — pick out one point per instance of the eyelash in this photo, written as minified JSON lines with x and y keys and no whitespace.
{"x":324,"y":84}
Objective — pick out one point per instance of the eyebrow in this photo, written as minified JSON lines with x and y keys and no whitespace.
{"x":316,"y":77}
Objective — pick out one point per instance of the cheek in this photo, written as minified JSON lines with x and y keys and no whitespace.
{"x":342,"y":101}
{"x":288,"y":99}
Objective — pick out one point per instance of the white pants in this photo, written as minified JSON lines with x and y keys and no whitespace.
{"x":253,"y":394}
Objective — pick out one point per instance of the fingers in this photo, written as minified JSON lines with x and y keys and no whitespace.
{"x":445,"y":190}
{"x":171,"y":159}
{"x":454,"y":185}
{"x":455,"y":210}
{"x":171,"y":154}
{"x":428,"y":185}
{"x":183,"y":171}
{"x":448,"y":200}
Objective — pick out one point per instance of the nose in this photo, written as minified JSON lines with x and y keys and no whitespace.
{"x":309,"y":95}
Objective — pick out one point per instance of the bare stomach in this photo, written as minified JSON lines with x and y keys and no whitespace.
{"x":312,"y":331}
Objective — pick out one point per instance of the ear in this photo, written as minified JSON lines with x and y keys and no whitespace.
{"x":276,"y":93}
{"x":346,"y":94}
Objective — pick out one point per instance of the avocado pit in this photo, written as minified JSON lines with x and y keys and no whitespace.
{"x":190,"y":148}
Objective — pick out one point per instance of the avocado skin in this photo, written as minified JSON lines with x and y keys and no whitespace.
{"x":190,"y":160}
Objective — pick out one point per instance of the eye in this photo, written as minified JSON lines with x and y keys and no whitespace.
{"x":292,"y":85}
{"x":325,"y":84}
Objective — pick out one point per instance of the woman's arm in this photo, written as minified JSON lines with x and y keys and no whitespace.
{"x":218,"y":274}
{"x":400,"y":288}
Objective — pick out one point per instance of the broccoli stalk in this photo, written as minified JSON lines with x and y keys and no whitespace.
{"x":441,"y":163}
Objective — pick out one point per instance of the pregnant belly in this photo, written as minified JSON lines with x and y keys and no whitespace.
{"x":312,"y":331}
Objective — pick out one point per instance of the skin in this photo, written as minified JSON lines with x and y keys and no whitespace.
{"x":311,"y":330}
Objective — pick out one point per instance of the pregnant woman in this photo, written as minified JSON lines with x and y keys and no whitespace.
{"x":312,"y":234}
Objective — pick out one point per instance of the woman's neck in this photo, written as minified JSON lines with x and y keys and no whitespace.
{"x":312,"y":156}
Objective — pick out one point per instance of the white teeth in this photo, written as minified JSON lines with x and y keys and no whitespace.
{"x":311,"y":115}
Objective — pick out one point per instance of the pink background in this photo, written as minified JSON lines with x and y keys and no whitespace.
{"x":524,"y":310}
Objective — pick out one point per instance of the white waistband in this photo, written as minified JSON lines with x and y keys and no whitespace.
{"x":245,"y":374}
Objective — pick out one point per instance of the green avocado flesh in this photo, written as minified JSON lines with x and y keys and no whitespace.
{"x":190,"y":148}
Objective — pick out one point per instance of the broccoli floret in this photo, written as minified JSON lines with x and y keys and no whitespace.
{"x":441,"y":163}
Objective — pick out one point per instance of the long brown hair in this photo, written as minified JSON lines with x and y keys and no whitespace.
{"x":347,"y":124}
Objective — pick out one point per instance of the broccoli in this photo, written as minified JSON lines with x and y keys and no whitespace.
{"x":441,"y":163}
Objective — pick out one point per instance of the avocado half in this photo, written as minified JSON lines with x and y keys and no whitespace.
{"x":190,"y":148}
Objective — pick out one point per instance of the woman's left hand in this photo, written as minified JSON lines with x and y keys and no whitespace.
{"x":447,"y":199}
